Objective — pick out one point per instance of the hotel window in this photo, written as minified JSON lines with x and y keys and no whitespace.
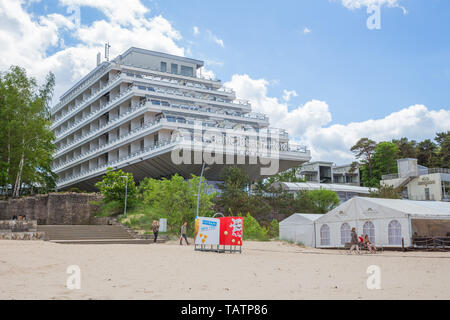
{"x":163,"y":67}
{"x":187,"y":71}
{"x":174,"y":68}
{"x":325,"y":235}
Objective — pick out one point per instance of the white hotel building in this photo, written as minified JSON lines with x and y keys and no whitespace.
{"x":135,"y":112}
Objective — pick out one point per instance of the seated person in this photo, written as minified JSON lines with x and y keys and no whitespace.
{"x":14,"y":218}
{"x":370,"y":246}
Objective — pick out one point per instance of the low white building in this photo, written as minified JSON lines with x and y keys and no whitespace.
{"x":345,"y":192}
{"x":418,"y":182}
{"x":299,"y":228}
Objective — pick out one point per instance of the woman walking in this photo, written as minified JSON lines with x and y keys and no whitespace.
{"x":155,"y":230}
{"x":183,"y":234}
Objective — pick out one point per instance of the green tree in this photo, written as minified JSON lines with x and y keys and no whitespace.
{"x":176,"y":199}
{"x":407,"y":148}
{"x":364,"y":150}
{"x":26,"y":141}
{"x":385,"y":192}
{"x":324,"y":200}
{"x":113,"y":187}
{"x":291,"y":175}
{"x":443,"y":139}
{"x":427,"y":154}
{"x":385,"y":161}
{"x":234,"y":197}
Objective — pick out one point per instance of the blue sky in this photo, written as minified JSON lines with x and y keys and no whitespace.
{"x":340,"y":69}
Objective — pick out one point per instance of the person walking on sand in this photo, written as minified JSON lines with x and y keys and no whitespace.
{"x":183,"y":234}
{"x":155,"y":230}
{"x":354,"y":242}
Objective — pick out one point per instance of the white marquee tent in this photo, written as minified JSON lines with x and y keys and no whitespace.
{"x":299,"y":228}
{"x":386,"y":221}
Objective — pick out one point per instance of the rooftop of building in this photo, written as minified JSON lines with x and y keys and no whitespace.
{"x":105,"y":64}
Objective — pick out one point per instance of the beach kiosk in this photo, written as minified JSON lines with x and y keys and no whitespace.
{"x":224,"y":234}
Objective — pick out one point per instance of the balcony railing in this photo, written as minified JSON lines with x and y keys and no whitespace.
{"x":94,"y":113}
{"x":109,"y":144}
{"x":81,"y":87}
{"x":116,"y":163}
{"x":173,"y":74}
{"x":243,"y":144}
{"x":85,"y":138}
{"x":72,"y":111}
{"x":193,"y":95}
{"x":438,"y":170}
{"x":422,"y":172}
{"x":196,"y":108}
{"x":191,"y":86}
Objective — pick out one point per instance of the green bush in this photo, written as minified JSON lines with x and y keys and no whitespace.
{"x":253,"y":230}
{"x":274,"y":229}
{"x":113,"y":187}
{"x":108,"y":209}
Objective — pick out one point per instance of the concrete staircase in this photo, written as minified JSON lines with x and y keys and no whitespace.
{"x":102,"y":234}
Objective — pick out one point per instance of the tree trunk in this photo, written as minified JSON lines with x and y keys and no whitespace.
{"x":16,"y":192}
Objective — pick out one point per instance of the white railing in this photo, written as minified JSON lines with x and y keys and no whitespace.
{"x":173,"y":74}
{"x":102,"y":148}
{"x":191,"y":86}
{"x":86,"y":137}
{"x":251,"y":115}
{"x":193,"y":95}
{"x":81,"y":87}
{"x":244,"y":144}
{"x":72,"y":111}
{"x":116,"y":163}
{"x":92,"y":114}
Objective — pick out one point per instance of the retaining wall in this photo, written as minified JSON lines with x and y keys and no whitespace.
{"x":53,"y":208}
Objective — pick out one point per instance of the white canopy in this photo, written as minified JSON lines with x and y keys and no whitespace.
{"x":299,"y":228}
{"x":386,"y":221}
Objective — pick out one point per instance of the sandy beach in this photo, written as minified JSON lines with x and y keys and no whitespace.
{"x":275,"y":270}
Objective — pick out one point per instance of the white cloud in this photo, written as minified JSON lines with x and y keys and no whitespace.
{"x":129,"y":12}
{"x":306,"y":30}
{"x":26,"y":39}
{"x":214,"y":38}
{"x":309,"y":124}
{"x":358,"y":4}
{"x":196,"y":31}
{"x":287,"y":95}
{"x":205,"y":73}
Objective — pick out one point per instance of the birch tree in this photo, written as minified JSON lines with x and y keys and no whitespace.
{"x":26,"y":141}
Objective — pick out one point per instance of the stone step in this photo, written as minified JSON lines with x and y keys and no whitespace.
{"x":95,"y":234}
{"x":84,"y":233}
{"x":106,"y":241}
